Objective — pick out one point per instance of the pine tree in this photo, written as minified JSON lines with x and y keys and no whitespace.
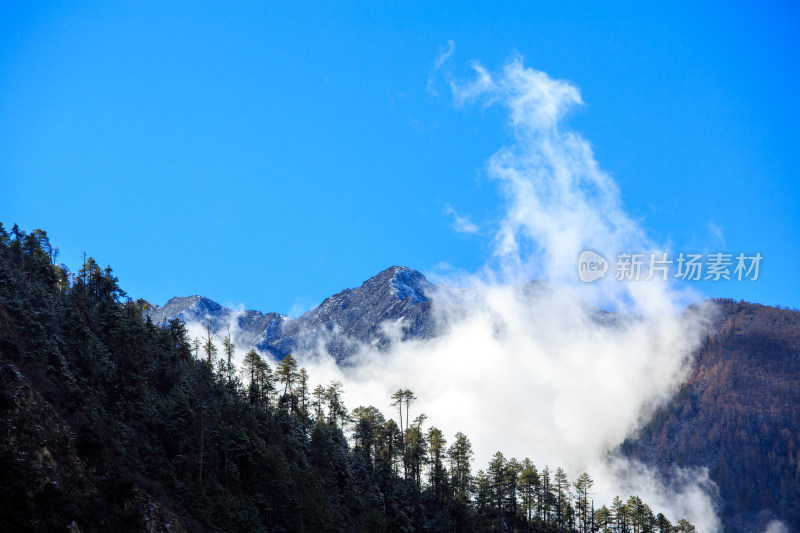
{"x":562,"y":487}
{"x":663,"y":525}
{"x":683,"y":526}
{"x":394,"y":444}
{"x":416,"y":449}
{"x":460,"y":455}
{"x":583,"y":486}
{"x":619,"y":513}
{"x":302,"y":383}
{"x":398,"y":398}
{"x":266,"y":383}
{"x":513,"y":471}
{"x":408,"y":398}
{"x":250,"y":365}
{"x":639,"y":514}
{"x":529,"y":485}
{"x":287,"y":373}
{"x":208,"y":345}
{"x":229,"y":347}
{"x":437,"y":476}
{"x":368,"y":422}
{"x":196,"y":347}
{"x":337,"y":412}
{"x":604,"y":520}
{"x":319,"y":399}
{"x":484,"y":500}
{"x":497,"y":473}
{"x":547,"y":499}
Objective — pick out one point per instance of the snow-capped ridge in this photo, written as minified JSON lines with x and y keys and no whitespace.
{"x":339,"y":324}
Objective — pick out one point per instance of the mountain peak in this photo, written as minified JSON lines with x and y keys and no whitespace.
{"x":199,"y":305}
{"x":409,"y":283}
{"x":395,"y":295}
{"x":402,"y":282}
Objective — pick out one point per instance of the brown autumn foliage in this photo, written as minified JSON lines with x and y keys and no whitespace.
{"x":739,"y":415}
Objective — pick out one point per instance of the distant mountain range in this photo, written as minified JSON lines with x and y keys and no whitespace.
{"x":398,"y":295}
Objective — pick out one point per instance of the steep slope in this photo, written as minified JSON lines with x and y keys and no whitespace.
{"x":739,"y":415}
{"x":395,"y":297}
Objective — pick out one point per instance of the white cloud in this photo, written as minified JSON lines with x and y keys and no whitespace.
{"x":716,"y":232}
{"x":445,"y":55}
{"x":441,"y":59}
{"x":462,"y":224}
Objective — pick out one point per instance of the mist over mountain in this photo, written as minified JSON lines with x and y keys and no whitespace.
{"x":737,"y":414}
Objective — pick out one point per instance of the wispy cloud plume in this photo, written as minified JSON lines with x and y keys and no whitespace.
{"x":461,"y":224}
{"x":445,"y":55}
{"x":441,"y":59}
{"x":716,"y":232}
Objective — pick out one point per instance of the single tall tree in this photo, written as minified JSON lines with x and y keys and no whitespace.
{"x":408,"y":398}
{"x":583,"y":486}
{"x":437,"y":450}
{"x":287,"y":373}
{"x":209,"y":347}
{"x":398,"y":398}
{"x":229,"y":347}
{"x":460,"y":455}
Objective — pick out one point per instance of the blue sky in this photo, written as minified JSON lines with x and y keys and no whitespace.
{"x":272,"y":154}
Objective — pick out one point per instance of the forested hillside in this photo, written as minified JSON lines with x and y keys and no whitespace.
{"x":111,"y":423}
{"x":739,"y":415}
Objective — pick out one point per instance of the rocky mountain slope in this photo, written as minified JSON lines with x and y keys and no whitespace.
{"x":398,"y":296}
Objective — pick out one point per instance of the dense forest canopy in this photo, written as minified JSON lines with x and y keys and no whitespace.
{"x":111,"y":422}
